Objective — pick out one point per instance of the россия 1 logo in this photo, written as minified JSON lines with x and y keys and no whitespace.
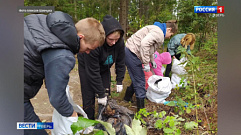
{"x":208,"y":9}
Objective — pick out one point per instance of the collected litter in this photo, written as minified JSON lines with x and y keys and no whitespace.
{"x":159,"y":88}
{"x":178,"y":69}
{"x":116,"y":115}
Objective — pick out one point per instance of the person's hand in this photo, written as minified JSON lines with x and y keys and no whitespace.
{"x":146,"y":68}
{"x":74,"y":114}
{"x":102,"y":101}
{"x":119,"y":88}
{"x":154,"y":64}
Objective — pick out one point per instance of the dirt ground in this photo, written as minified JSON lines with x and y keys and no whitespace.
{"x":44,"y":109}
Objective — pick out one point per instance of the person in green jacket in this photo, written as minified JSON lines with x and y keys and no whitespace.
{"x":185,"y":40}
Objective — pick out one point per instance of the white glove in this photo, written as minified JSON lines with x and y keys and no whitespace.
{"x":119,"y":88}
{"x":154,"y":64}
{"x":146,"y":68}
{"x":102,"y":101}
{"x":89,"y":130}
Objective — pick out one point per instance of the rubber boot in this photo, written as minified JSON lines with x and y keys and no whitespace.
{"x":140,"y":103}
{"x":129,"y":93}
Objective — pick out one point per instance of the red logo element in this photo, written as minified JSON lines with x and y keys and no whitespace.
{"x":220,"y":9}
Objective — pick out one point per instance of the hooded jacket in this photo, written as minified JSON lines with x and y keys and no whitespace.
{"x":174,"y":43}
{"x":101,"y":59}
{"x":43,"y":33}
{"x":163,"y":58}
{"x":145,"y":42}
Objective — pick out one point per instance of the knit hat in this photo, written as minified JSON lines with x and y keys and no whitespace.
{"x":162,"y":26}
{"x":189,"y":39}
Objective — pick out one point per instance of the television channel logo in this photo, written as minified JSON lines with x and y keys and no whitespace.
{"x":208,"y":9}
{"x":35,"y":125}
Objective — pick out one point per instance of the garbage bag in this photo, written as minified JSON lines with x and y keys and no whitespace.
{"x":177,"y":67}
{"x":116,"y":115}
{"x":175,"y":80}
{"x":159,"y":88}
{"x":62,"y":124}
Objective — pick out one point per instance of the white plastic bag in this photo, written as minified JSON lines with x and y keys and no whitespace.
{"x":177,"y":67}
{"x":163,"y":69}
{"x":62,"y":124}
{"x":160,"y":91}
{"x":175,"y":80}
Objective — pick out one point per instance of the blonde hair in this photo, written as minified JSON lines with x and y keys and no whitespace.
{"x":188,"y":39}
{"x":172,"y":24}
{"x":92,"y":29}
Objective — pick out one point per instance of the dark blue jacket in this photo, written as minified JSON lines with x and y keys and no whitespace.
{"x":50,"y":43}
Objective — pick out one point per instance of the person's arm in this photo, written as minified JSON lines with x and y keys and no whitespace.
{"x":171,"y":46}
{"x":92,"y":68}
{"x":57,"y":65}
{"x":146,"y":44}
{"x":158,"y":71}
{"x":120,"y":67}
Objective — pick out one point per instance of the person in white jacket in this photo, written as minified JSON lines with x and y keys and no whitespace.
{"x":139,"y":50}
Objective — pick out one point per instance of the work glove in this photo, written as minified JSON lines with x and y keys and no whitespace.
{"x":119,"y":88}
{"x":102,"y":101}
{"x":146,"y":68}
{"x":154,"y":64}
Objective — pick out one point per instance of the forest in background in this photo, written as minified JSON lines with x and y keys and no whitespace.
{"x":201,"y":92}
{"x":135,"y":14}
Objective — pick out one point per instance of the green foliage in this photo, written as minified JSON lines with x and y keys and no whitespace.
{"x":108,"y":127}
{"x":170,"y":125}
{"x":201,"y":24}
{"x":100,"y":132}
{"x":211,"y":45}
{"x":136,"y":129}
{"x":82,"y":124}
{"x":167,"y":124}
{"x":141,"y":13}
{"x":115,"y":94}
{"x":202,"y":71}
{"x":142,"y":113}
{"x":181,"y":106}
{"x":190,"y":125}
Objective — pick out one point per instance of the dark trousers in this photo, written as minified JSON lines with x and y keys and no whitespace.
{"x":106,"y":79}
{"x":30,"y":116}
{"x":169,"y":66}
{"x":136,"y":73}
{"x":88,"y":94}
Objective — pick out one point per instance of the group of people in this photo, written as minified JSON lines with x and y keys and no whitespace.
{"x":51,"y":42}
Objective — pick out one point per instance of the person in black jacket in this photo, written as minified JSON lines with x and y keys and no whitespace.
{"x":50,"y":42}
{"x":94,"y":68}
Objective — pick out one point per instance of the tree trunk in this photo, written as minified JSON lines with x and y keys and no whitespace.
{"x":140,"y":8}
{"x":109,"y":7}
{"x":123,"y":16}
{"x":75,"y":10}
